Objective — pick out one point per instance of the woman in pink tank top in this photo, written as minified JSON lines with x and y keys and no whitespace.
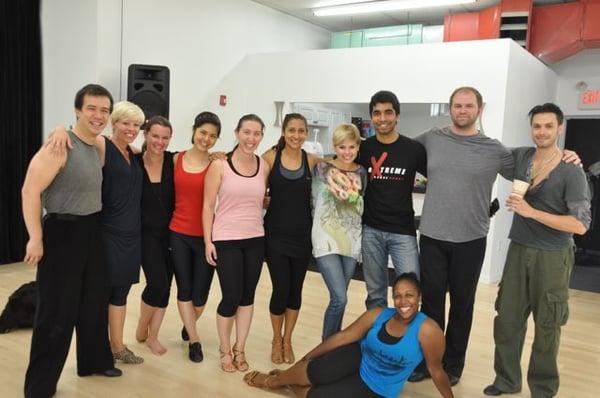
{"x":234,"y":235}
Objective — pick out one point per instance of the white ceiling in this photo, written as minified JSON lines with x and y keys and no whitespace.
{"x":433,"y":16}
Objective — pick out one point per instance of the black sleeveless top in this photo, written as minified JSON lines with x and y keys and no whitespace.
{"x":121,"y":215}
{"x":288,"y":221}
{"x":121,"y":191}
{"x":158,"y":199}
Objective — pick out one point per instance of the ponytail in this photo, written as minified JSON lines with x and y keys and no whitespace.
{"x":280,"y":144}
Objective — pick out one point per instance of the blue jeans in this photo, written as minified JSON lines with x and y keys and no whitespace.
{"x":336,"y":271}
{"x":377,"y":245}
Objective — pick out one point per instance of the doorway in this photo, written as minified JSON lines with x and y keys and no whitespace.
{"x":583,"y":137}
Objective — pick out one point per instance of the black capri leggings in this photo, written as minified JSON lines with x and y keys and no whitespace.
{"x":336,"y":374}
{"x":239,"y":263}
{"x":118,"y":295}
{"x":287,"y":277}
{"x":192,"y":273}
{"x":156,"y":262}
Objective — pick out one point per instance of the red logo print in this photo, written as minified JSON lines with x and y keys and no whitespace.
{"x":376,"y":164}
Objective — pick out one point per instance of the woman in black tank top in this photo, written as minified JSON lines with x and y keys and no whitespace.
{"x":158,"y":202}
{"x":288,"y":224}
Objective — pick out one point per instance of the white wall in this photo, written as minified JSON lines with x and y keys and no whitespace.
{"x":200,"y":41}
{"x":416,"y":118}
{"x":69,"y":54}
{"x":583,"y":66}
{"x":529,"y":83}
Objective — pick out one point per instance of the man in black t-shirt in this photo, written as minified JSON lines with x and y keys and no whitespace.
{"x":388,"y":219}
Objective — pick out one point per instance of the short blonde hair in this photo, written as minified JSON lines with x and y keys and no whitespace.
{"x":345,"y":132}
{"x":127,"y":110}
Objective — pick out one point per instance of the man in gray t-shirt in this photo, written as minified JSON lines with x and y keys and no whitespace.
{"x":462,"y":165}
{"x":540,"y":258}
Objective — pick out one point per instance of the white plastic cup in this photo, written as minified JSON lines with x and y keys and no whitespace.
{"x":519,"y":188}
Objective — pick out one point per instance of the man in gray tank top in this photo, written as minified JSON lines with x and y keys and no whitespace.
{"x":540,"y":258}
{"x":71,"y":276}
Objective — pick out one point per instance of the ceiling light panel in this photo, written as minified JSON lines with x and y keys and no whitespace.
{"x":381,"y":6}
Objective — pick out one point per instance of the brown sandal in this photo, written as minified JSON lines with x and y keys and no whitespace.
{"x":240,"y":364}
{"x":288,"y":353}
{"x":277,"y":351}
{"x":253,"y":379}
{"x":226,"y":366}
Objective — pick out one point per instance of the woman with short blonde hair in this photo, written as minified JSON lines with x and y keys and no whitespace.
{"x":337,"y":191}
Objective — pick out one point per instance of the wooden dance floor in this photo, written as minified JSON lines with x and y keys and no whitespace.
{"x":174,"y":375}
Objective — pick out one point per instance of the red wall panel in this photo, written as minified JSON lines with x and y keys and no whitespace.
{"x":489,"y":23}
{"x":459,"y":27}
{"x":516,"y":5}
{"x":590,"y":31}
{"x":556,"y":31}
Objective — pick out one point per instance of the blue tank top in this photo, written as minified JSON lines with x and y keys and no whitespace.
{"x":385,"y":367}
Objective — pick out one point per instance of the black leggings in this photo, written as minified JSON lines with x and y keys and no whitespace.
{"x":118,"y":295}
{"x":192,"y":273}
{"x":336,"y":374}
{"x":239,"y":263}
{"x":158,"y":268}
{"x":287,"y":277}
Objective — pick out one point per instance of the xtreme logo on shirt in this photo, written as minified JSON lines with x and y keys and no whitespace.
{"x":376,"y":172}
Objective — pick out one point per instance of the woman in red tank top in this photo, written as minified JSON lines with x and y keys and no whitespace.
{"x":192,"y":273}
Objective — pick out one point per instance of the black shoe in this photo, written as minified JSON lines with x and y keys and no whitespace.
{"x":184,"y":334}
{"x":492,"y":390}
{"x":112,"y":372}
{"x":417,"y":376}
{"x":453,"y":379}
{"x":196,"y":352}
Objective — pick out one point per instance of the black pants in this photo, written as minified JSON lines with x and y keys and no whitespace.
{"x":158,"y":268}
{"x":72,"y":292}
{"x":336,"y":374}
{"x":192,"y":273}
{"x":239,"y":263}
{"x":287,"y":277}
{"x":117,"y":295}
{"x":453,"y":267}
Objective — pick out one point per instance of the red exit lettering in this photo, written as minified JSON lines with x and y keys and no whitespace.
{"x":590,"y":97}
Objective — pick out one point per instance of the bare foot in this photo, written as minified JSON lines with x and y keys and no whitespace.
{"x":141,"y":333}
{"x":156,"y":347}
{"x":300,"y":391}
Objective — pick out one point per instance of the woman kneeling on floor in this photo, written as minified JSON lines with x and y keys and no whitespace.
{"x":372,"y":357}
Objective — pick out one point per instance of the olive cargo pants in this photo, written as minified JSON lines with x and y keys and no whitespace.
{"x":535,"y":281}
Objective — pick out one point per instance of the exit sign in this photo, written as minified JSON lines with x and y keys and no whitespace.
{"x":589,"y":99}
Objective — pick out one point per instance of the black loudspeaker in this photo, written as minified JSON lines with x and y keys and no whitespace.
{"x":148,"y":87}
